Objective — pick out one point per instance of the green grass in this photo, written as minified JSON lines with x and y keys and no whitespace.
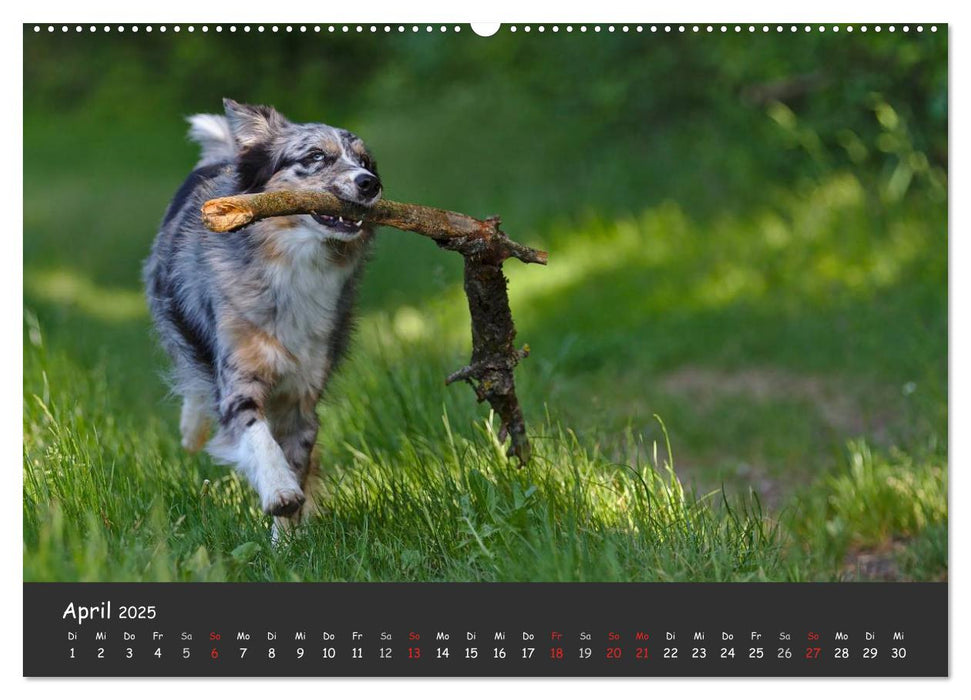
{"x":793,"y":343}
{"x":109,"y":497}
{"x":883,"y":505}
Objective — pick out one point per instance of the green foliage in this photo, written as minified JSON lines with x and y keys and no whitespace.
{"x":558,"y":107}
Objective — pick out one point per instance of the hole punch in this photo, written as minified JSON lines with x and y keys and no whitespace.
{"x":485,"y":29}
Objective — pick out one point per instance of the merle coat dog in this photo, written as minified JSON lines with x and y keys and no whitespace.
{"x":255,"y":321}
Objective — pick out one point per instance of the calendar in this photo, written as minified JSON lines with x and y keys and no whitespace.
{"x":511,"y":629}
{"x":526,"y":349}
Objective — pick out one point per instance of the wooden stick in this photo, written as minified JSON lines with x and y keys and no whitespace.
{"x":483,"y":245}
{"x":458,"y":232}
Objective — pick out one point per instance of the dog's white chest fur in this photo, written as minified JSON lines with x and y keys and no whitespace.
{"x":306,"y":288}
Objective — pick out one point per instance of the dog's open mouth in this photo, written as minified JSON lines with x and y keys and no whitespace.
{"x":338,"y":223}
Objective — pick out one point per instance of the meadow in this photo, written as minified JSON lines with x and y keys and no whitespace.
{"x":739,"y":348}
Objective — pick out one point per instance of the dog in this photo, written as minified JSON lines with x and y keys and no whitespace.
{"x":256,"y":321}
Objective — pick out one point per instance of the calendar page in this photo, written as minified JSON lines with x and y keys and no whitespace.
{"x":485,"y":350}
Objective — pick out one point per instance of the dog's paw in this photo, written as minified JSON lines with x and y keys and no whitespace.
{"x":283,"y":502}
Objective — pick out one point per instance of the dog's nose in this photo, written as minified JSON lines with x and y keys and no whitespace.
{"x":368,"y":184}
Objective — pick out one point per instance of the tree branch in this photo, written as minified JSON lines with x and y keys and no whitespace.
{"x":483,"y":245}
{"x":451,"y":230}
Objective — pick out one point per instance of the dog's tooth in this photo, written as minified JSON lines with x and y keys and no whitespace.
{"x":341,"y":219}
{"x":359,"y":222}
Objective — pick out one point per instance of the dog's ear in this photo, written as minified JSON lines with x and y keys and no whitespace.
{"x":252,"y":124}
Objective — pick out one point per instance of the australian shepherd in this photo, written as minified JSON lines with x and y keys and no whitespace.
{"x":256,"y":321}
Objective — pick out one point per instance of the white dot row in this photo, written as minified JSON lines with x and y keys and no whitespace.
{"x":244,"y":28}
{"x":751,"y":28}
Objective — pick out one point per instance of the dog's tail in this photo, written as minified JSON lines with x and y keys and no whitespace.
{"x":212,"y":132}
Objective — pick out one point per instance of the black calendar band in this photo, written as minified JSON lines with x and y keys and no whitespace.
{"x":476,"y":629}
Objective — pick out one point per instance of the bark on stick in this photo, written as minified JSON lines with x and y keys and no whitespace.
{"x":480,"y":241}
{"x":458,"y":232}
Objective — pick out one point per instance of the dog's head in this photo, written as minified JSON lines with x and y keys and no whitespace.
{"x":276,"y":154}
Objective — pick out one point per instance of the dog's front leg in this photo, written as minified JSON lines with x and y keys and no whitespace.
{"x":252,"y":364}
{"x":246,"y":440}
{"x":262,"y":460}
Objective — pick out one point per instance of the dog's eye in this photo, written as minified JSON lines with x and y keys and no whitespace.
{"x":315,"y":157}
